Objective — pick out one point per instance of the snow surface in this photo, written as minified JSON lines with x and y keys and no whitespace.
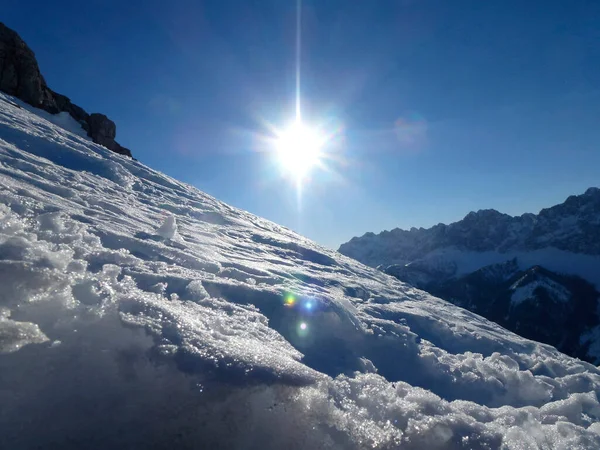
{"x":114,"y":334}
{"x":457,"y":262}
{"x":524,"y":292}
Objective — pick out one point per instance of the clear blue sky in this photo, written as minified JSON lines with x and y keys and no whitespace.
{"x":446,"y":106}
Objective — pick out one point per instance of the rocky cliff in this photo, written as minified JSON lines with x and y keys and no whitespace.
{"x":20,"y":76}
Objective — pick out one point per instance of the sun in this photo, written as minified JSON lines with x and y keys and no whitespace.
{"x":299,"y":149}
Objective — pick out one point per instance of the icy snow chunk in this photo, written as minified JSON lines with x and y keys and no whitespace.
{"x":51,"y":221}
{"x":15,"y":248}
{"x":227,"y":340}
{"x":196,"y":290}
{"x":14,"y":335}
{"x":168,"y":229}
{"x":10,"y":223}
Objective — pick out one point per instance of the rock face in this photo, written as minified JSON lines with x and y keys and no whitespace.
{"x":20,"y":76}
{"x":19,"y":72}
{"x":103,"y":132}
{"x":537,"y":275}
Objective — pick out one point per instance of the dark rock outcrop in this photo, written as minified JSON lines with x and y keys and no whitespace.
{"x":20,"y":76}
{"x":19,"y":72}
{"x":102,"y":127}
{"x":103,"y":130}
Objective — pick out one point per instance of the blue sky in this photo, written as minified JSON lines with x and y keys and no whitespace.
{"x":444,"y":106}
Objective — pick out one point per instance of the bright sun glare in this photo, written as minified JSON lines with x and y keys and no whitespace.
{"x":299,"y":149}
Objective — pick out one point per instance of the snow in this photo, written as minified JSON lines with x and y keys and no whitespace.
{"x":458,"y":262}
{"x":525,"y":292}
{"x":62,"y":120}
{"x":168,"y":229}
{"x":137,"y":311}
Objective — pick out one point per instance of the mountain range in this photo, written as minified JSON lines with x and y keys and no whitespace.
{"x":535,"y":274}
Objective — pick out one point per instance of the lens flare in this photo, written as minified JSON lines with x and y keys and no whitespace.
{"x":302,"y":330}
{"x":289,"y":301}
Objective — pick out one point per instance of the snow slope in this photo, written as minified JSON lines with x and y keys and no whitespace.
{"x":556,"y":291}
{"x":136,"y":312}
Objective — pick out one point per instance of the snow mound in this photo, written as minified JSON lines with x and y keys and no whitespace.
{"x":214,"y":328}
{"x":168,"y":229}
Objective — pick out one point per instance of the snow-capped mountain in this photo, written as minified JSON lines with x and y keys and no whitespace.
{"x":474,"y":263}
{"x":572,"y":227}
{"x":139,"y":312}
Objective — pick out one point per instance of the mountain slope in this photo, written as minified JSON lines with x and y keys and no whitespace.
{"x":535,"y":303}
{"x":138,"y":312}
{"x":466,"y":263}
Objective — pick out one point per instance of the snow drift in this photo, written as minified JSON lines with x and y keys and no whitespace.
{"x":136,"y":311}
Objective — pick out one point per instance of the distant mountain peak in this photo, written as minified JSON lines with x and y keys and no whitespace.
{"x":573,"y":225}
{"x":486,"y":213}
